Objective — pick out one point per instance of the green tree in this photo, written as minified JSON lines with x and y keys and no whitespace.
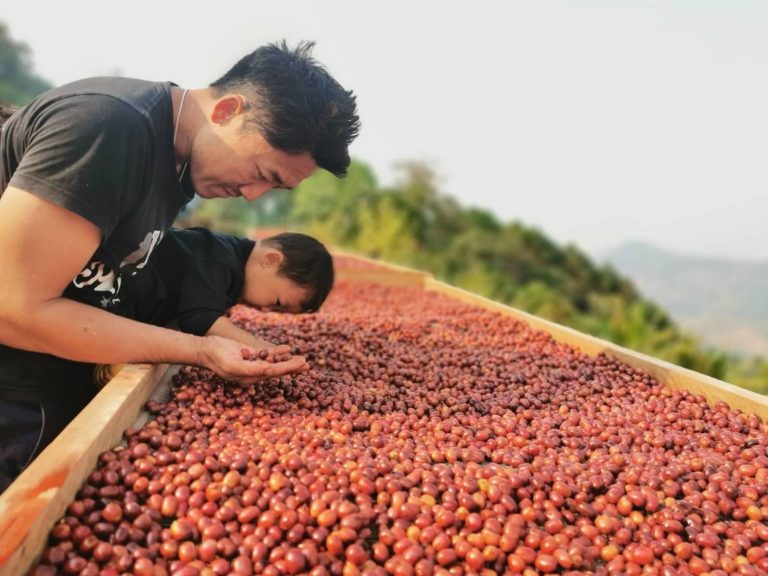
{"x":18,"y":83}
{"x":328,"y":206}
{"x":538,"y":298}
{"x":389,"y":230}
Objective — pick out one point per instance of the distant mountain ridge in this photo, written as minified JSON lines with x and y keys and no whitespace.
{"x":723,"y":301}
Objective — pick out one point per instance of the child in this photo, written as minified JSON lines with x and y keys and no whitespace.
{"x":195,"y":275}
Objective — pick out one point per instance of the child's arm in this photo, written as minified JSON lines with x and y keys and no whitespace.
{"x":226,"y":328}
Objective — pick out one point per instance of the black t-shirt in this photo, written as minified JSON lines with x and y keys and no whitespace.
{"x":193,"y":277}
{"x":102,"y":148}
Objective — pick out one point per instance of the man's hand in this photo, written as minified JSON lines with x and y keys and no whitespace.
{"x":224,"y":357}
{"x":280,"y":349}
{"x":225,"y":328}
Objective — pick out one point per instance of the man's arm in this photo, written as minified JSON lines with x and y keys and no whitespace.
{"x":42,"y":248}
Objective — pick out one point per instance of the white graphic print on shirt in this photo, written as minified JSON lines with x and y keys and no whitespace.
{"x":101,"y":278}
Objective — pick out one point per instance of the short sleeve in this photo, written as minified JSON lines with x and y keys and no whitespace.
{"x":203,"y":295}
{"x":90,"y":154}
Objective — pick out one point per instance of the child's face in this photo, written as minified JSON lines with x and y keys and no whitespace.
{"x":268,"y":291}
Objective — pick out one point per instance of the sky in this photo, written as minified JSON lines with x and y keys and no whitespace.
{"x":597,"y":122}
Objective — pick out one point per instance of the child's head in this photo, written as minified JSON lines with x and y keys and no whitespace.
{"x":289,"y":272}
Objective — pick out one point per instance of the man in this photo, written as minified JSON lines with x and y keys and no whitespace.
{"x":92,"y":174}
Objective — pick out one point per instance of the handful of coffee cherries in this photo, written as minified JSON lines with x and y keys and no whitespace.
{"x":266,"y":355}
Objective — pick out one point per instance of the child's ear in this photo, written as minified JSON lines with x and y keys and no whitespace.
{"x":271,"y":258}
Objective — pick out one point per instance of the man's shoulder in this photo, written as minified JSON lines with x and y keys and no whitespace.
{"x":118,"y":86}
{"x":112,"y":95}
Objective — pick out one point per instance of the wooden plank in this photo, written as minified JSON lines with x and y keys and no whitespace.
{"x":669,"y":374}
{"x":40,"y":495}
{"x":384,"y":277}
{"x":382,"y":273}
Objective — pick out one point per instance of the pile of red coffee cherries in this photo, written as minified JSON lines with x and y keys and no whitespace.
{"x":428,"y":437}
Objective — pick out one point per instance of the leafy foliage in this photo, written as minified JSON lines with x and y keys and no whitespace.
{"x":18,"y":84}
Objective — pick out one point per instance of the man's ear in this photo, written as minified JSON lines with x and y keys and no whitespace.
{"x":227,"y":107}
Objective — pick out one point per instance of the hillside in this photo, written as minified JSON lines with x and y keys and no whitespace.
{"x":725,"y":302}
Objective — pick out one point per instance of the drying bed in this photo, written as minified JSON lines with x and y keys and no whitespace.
{"x":430,"y":437}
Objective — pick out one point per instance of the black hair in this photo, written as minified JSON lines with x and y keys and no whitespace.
{"x":305,"y":262}
{"x":299,"y":106}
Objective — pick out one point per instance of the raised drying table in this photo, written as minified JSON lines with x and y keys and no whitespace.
{"x":33,"y":503}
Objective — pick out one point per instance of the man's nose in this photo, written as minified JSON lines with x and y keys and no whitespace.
{"x":253,"y":191}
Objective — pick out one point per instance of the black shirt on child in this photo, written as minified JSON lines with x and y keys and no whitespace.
{"x":192,"y":278}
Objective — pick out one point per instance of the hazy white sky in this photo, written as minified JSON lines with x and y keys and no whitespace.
{"x":596,"y":121}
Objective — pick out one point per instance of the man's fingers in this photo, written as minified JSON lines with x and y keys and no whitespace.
{"x":295,"y":364}
{"x":248,"y":381}
{"x":262,"y":369}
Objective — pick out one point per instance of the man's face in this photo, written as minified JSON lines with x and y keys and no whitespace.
{"x":229,"y":160}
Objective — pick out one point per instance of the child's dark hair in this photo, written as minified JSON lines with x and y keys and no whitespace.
{"x":305,"y":262}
